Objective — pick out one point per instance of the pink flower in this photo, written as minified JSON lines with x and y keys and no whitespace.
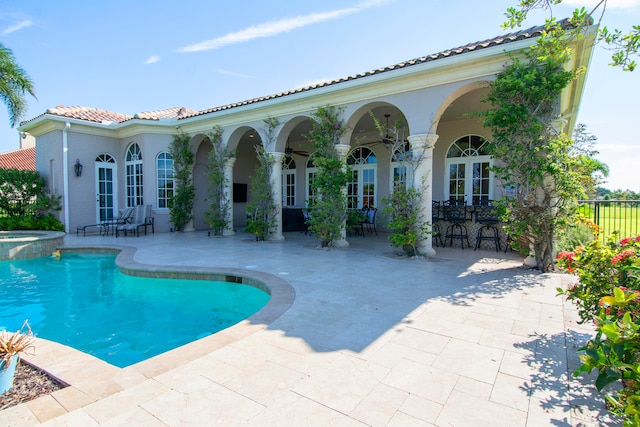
{"x":569,"y":258}
{"x":624,"y":255}
{"x":567,"y":255}
{"x":626,"y":241}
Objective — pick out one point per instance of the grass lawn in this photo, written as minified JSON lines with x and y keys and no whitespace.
{"x":623,"y":217}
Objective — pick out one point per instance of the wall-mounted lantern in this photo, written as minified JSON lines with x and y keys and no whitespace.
{"x":77,"y":168}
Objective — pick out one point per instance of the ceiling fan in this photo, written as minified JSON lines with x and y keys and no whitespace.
{"x":288,"y":151}
{"x":387,"y":139}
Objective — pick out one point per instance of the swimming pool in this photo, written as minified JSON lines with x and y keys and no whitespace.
{"x":82,"y":300}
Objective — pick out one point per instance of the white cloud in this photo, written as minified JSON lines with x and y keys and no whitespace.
{"x":272,"y":28}
{"x":152,"y":59}
{"x":20,"y":25}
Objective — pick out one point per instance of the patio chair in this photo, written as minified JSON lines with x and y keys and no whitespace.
{"x":124,"y":217}
{"x":306,"y":215}
{"x":436,"y":215}
{"x":456,"y":215}
{"x":141,"y":218}
{"x":370,"y":221}
{"x":104,"y":226}
{"x":487,"y":216}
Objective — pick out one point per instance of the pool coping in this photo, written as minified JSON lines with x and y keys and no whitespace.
{"x":90,"y":379}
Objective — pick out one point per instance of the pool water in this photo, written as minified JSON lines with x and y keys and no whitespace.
{"x":83,"y":301}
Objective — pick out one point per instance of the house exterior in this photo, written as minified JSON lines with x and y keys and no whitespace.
{"x":126,"y":161}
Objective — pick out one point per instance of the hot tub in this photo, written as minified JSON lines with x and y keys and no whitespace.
{"x":23,"y":244}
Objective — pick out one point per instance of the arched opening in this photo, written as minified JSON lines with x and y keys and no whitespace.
{"x":361,"y":188}
{"x":106,"y":185}
{"x":133,"y":175}
{"x":468,"y":167}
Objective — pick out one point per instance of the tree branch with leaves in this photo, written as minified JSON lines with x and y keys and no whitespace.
{"x":558,"y":36}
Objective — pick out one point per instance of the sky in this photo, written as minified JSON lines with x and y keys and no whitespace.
{"x":135,"y":56}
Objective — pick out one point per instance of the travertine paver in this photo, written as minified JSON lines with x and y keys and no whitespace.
{"x":467,"y":338}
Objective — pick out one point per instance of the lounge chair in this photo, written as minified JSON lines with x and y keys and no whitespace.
{"x":141,"y":218}
{"x":123,"y":218}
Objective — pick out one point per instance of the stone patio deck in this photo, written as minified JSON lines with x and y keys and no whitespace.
{"x":467,"y":338}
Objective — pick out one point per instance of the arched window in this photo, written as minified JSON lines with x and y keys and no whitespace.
{"x":133,"y":173}
{"x":164,"y":178}
{"x":401,"y":167}
{"x":312,"y":194}
{"x":361,"y":189}
{"x":288,"y":182}
{"x":468,"y":170}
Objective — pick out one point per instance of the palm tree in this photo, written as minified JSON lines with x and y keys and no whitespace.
{"x":14,"y":84}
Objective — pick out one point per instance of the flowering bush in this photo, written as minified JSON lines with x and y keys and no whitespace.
{"x":609,"y":295}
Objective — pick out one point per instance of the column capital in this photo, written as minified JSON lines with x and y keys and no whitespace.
{"x":230,"y":162}
{"x":423,"y":140}
{"x":343,"y":149}
{"x":277,"y":155}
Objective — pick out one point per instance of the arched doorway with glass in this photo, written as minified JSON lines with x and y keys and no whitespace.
{"x":361,"y":188}
{"x":133,"y":175}
{"x":106,"y":197}
{"x":468,"y":167}
{"x":311,"y":193}
{"x":288,"y":182}
{"x":401,"y":168}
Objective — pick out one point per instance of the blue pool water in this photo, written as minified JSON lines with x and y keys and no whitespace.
{"x":83,"y":301}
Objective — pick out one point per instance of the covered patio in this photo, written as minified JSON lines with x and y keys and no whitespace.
{"x":465,"y":338}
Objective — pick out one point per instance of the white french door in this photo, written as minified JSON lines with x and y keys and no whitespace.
{"x":470,"y":189}
{"x":106,"y":201}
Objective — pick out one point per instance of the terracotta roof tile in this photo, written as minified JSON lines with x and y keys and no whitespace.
{"x":170,"y":113}
{"x":100,"y":116}
{"x":23,"y":159}
{"x":88,"y":113}
{"x":511,"y":37}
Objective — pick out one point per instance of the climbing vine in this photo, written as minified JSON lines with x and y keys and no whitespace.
{"x":329,"y":210}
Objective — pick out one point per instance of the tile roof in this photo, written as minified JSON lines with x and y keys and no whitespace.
{"x":88,"y":113}
{"x":170,"y":113}
{"x":23,"y":159}
{"x":103,"y":116}
{"x":500,"y":40}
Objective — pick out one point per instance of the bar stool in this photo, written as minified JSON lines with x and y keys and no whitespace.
{"x":436,"y":215}
{"x":456,"y":214}
{"x":487,"y":216}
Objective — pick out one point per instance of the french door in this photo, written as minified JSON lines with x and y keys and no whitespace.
{"x":106,"y":201}
{"x":469,"y":181}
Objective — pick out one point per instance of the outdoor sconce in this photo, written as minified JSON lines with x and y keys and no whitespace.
{"x":77,"y":168}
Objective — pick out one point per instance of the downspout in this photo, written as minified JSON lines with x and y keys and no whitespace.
{"x":65,"y":175}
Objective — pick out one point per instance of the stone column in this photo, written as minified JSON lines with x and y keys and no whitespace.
{"x":276,"y":192}
{"x":228,"y":192}
{"x":343,"y":150}
{"x":422,"y":148}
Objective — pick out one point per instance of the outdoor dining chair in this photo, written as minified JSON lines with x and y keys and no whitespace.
{"x":457,"y":216}
{"x":436,"y":215}
{"x":370,"y":219}
{"x":487,"y":216}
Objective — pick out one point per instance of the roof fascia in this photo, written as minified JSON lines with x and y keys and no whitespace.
{"x":572,"y":94}
{"x":484,"y":62}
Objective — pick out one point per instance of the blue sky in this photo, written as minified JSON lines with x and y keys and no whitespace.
{"x":135,"y":56}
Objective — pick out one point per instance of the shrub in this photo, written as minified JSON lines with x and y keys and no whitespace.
{"x":44,"y":222}
{"x":406,"y":219}
{"x":609,"y":295}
